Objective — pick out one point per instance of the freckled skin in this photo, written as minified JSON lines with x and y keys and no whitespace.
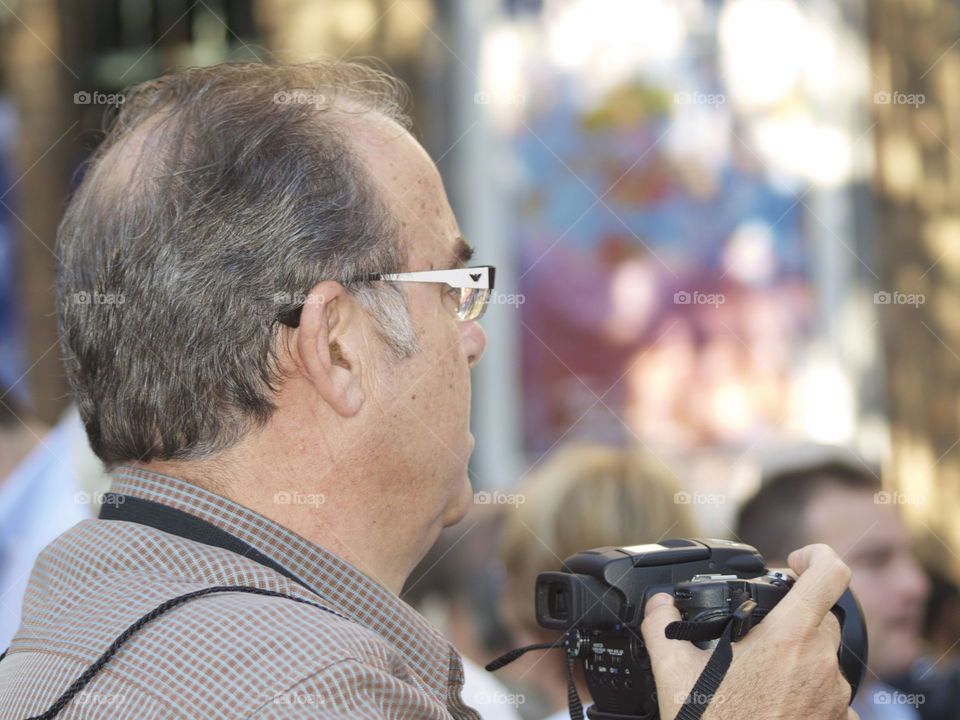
{"x":428,"y":430}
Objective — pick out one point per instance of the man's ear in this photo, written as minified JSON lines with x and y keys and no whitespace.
{"x":329,"y":320}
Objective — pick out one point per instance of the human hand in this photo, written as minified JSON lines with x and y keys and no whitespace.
{"x":786,"y":668}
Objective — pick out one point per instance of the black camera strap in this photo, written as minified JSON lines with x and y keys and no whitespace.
{"x":128,"y":508}
{"x":730,"y":629}
{"x":727,"y":629}
{"x":183,"y":524}
{"x":571,"y":642}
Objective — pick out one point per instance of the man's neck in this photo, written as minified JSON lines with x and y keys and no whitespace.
{"x":380,"y":544}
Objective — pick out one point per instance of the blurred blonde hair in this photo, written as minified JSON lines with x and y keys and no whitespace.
{"x":585,"y":497}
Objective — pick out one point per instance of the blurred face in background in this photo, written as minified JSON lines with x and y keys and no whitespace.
{"x":888,"y":581}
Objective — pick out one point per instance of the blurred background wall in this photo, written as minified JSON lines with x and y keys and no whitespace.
{"x":917,"y":191}
{"x":726,"y":231}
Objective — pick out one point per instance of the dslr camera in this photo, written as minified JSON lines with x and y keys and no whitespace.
{"x":598,"y":601}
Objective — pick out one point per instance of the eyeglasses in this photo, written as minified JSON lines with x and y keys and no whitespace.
{"x":474,"y":283}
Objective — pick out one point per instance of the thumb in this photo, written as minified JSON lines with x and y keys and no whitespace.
{"x":659,"y":613}
{"x":675,"y":663}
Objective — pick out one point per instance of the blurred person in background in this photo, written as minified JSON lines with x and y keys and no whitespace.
{"x":456,"y":587}
{"x":582,"y":497}
{"x":936,"y":675}
{"x":837,"y":503}
{"x":942,"y":627}
{"x":39,"y":496}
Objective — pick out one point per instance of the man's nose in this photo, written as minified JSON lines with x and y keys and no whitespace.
{"x":474,"y":341}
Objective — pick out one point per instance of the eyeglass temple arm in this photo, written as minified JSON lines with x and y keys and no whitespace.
{"x":291,"y":316}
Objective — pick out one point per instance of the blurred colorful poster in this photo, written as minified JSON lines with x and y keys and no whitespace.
{"x":11,"y":344}
{"x":664,"y":151}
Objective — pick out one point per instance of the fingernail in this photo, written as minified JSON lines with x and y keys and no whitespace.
{"x":659,"y":600}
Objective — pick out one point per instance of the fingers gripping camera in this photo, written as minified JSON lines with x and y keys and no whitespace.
{"x":599,"y":598}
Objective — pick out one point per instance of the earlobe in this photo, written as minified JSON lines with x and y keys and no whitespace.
{"x":323,"y":347}
{"x":344,"y":393}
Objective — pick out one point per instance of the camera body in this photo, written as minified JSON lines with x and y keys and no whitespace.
{"x":600,"y":596}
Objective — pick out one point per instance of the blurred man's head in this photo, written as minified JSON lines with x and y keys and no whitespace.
{"x":843,"y":506}
{"x":584,"y":497}
{"x":222,"y":199}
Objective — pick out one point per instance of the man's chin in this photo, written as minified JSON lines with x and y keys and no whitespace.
{"x":460,"y":504}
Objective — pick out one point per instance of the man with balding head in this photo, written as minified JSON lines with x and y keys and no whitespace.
{"x":269,"y":324}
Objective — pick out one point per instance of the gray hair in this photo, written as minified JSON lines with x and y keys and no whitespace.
{"x":218,"y":198}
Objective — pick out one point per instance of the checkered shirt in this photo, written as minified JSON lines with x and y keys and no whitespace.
{"x":229,"y":655}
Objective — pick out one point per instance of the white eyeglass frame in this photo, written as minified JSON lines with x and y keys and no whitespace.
{"x":478,"y":278}
{"x":471,"y":307}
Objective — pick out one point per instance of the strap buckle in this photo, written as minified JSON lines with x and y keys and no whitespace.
{"x":742,"y":620}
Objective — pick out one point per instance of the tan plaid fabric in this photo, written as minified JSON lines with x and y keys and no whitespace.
{"x":233,"y":655}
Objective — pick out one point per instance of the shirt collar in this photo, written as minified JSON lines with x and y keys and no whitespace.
{"x":347,"y":589}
